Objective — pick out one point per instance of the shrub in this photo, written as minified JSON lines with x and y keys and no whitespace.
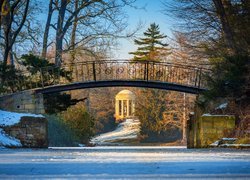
{"x":80,"y":121}
{"x":59,"y":133}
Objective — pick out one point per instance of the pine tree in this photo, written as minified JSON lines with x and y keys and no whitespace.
{"x":151,"y":109}
{"x":151,"y":46}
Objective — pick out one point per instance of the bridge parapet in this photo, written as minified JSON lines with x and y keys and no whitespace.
{"x":112,"y":70}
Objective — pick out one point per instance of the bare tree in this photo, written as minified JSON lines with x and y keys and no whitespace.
{"x":25,"y":25}
{"x":73,"y":34}
{"x":8,"y":21}
{"x":47,"y":28}
{"x":12,"y":21}
{"x":93,"y":21}
{"x":219,"y":25}
{"x":182,"y":52}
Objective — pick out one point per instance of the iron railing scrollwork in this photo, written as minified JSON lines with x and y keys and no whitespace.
{"x":107,"y":71}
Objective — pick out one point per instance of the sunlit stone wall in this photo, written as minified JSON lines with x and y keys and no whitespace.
{"x":214,"y":127}
{"x":25,"y":101}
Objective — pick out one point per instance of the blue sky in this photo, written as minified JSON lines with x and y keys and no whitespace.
{"x":151,"y":13}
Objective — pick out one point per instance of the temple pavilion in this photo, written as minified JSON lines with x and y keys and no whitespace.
{"x":124,"y":105}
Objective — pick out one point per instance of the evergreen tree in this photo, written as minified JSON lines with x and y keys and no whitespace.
{"x":80,"y":121}
{"x":36,"y":65}
{"x":151,"y":109}
{"x":151,"y":46}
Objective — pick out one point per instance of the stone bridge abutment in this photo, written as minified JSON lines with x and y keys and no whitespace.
{"x":25,"y":101}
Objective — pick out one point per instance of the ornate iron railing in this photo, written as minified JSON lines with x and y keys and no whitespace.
{"x":107,"y":71}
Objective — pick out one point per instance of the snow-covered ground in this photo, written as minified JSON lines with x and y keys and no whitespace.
{"x":9,"y":119}
{"x":138,"y":162}
{"x":7,"y":141}
{"x":129,"y":129}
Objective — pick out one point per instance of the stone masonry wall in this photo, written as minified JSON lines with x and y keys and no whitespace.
{"x":31,"y":131}
{"x":25,"y":101}
{"x":213,"y":127}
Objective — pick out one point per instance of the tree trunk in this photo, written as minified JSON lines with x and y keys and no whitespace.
{"x":10,"y":58}
{"x":6,"y":21}
{"x":1,"y":7}
{"x":46,"y":32}
{"x":227,"y":29}
{"x":60,"y":33}
{"x":73,"y":35}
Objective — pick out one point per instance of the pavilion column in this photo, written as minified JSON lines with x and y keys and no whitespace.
{"x":122,"y":110}
{"x":133,"y":107}
{"x":128,"y":108}
{"x":117,"y":108}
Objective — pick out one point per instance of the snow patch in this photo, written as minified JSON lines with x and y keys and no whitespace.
{"x":222,"y":106}
{"x":215,"y":144}
{"x":228,"y":142}
{"x":228,"y":139}
{"x":129,"y":129}
{"x":81,"y":145}
{"x":235,"y":145}
{"x":6,"y":140}
{"x":215,"y":115}
{"x":11,"y":118}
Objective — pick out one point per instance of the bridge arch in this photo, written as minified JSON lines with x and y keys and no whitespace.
{"x":112,"y":73}
{"x":96,"y":74}
{"x":121,"y":83}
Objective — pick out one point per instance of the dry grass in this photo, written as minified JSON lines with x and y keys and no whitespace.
{"x":244,"y":140}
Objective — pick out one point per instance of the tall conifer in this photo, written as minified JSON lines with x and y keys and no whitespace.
{"x":151,"y":46}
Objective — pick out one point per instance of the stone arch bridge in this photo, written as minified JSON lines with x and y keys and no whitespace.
{"x":25,"y":94}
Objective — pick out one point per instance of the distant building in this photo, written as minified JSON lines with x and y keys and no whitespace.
{"x":124,"y":105}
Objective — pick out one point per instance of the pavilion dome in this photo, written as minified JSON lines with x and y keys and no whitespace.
{"x":125,"y":94}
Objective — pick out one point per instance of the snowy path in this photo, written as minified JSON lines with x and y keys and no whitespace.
{"x":125,"y":163}
{"x":129,"y":129}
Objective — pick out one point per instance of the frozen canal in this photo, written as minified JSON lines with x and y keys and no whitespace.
{"x":124,"y":163}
